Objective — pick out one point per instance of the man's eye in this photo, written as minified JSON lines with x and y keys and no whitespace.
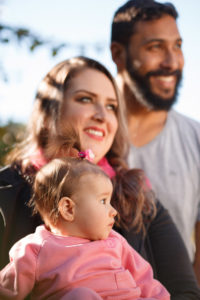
{"x":154,"y":46}
{"x":103,"y":201}
{"x":179,"y":45}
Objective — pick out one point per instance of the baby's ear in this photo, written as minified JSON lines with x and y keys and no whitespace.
{"x":66,"y":207}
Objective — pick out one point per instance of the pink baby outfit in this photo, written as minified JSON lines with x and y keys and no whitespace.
{"x":51,"y":266}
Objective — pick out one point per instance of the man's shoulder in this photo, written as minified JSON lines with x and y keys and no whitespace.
{"x":184,"y":126}
{"x":185,"y":120}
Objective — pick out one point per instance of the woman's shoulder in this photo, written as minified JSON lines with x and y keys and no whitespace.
{"x":9,"y":176}
{"x":162,"y":216}
{"x":12,"y":187}
{"x":11,"y":182}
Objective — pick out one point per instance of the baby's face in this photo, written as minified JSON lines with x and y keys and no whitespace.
{"x":94,"y":215}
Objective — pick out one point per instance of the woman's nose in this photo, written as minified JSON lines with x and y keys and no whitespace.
{"x":99,"y":113}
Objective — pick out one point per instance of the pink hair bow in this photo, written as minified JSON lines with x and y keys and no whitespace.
{"x":88,"y":154}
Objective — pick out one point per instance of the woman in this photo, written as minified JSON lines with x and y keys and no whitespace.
{"x":82,"y":93}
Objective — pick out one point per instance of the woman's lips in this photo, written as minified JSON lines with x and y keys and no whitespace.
{"x":95,"y":133}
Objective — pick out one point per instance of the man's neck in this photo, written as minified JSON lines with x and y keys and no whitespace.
{"x":144,"y":125}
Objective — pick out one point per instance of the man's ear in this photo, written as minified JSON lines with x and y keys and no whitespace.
{"x":118,"y":55}
{"x":66,"y":207}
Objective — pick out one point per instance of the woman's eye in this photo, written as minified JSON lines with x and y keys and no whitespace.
{"x":112,"y":107}
{"x":103,"y":201}
{"x":85,"y":99}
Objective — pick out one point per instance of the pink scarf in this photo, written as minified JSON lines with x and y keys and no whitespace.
{"x":38,"y":160}
{"x":106,"y":167}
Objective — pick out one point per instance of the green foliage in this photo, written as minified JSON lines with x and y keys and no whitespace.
{"x":9,"y":135}
{"x":10,"y":34}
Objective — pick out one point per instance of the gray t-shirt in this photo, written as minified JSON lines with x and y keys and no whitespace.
{"x":172,"y":163}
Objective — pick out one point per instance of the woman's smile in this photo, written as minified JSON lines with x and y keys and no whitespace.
{"x":95,"y":133}
{"x":90,"y":106}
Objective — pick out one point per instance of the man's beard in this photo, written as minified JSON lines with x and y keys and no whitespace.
{"x":140,"y":86}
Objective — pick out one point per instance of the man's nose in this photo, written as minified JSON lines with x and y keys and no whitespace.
{"x":170,"y":60}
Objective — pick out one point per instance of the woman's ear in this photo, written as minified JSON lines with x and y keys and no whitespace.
{"x":118,"y":55}
{"x":66,"y":208}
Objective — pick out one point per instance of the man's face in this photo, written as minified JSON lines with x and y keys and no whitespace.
{"x":154,"y":61}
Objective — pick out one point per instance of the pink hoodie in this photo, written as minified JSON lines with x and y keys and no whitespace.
{"x":50,"y":266}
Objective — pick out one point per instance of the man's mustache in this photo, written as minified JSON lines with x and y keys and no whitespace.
{"x":177,"y":73}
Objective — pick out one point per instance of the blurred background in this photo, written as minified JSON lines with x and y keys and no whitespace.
{"x":37,"y":34}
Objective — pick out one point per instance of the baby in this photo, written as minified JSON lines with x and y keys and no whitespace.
{"x":76,"y":254}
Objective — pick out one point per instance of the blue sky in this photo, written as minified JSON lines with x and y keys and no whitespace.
{"x":81,"y":22}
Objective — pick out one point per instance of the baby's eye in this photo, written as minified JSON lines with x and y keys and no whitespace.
{"x":103,"y":201}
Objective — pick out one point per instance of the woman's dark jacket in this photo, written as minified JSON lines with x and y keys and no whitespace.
{"x":161,"y":246}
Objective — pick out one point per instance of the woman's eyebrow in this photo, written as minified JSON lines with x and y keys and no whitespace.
{"x":93,"y":94}
{"x":85,"y":91}
{"x":114,"y":100}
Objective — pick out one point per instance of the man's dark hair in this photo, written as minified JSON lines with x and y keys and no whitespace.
{"x":131,"y":12}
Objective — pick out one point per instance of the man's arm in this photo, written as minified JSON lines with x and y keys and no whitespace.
{"x":197,"y":254}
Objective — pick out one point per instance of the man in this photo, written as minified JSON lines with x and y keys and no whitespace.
{"x":146,"y":48}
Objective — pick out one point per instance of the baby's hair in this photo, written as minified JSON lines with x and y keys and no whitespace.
{"x":59,"y":178}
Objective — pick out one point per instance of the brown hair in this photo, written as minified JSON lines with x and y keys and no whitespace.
{"x":59,"y":178}
{"x":130,"y":13}
{"x":133,"y":205}
{"x":133,"y":199}
{"x":44,"y":124}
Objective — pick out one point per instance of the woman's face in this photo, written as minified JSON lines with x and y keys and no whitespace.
{"x":90,"y":106}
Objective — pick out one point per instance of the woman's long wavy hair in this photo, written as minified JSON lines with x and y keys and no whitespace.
{"x":130,"y":195}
